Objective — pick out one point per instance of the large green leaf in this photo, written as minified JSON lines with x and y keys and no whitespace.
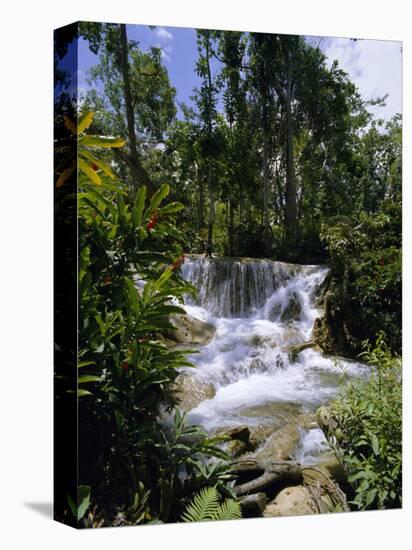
{"x":88,"y":170}
{"x":139,"y":205}
{"x":98,"y":162}
{"x":101,"y":141}
{"x":157,"y":198}
{"x":84,"y":122}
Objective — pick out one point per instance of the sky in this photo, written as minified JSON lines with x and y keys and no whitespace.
{"x":375,"y":66}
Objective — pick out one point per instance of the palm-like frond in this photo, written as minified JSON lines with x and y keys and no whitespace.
{"x":229,"y":509}
{"x":205,"y":507}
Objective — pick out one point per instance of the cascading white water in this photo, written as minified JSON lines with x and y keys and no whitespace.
{"x":260,"y":308}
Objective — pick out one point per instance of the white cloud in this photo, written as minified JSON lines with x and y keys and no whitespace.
{"x":164,"y":42}
{"x":164,"y":35}
{"x":375,"y":66}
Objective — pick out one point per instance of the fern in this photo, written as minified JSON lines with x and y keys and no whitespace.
{"x":229,"y":509}
{"x":205,"y":507}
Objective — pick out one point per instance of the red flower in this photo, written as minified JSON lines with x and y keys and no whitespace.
{"x":152,"y":221}
{"x":94,"y":166}
{"x":125,"y":365}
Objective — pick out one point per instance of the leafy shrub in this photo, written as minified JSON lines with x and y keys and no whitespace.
{"x":130,"y":465}
{"x":366,"y":280}
{"x":369,"y":415}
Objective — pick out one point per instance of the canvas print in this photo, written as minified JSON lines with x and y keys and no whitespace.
{"x":228,"y":211}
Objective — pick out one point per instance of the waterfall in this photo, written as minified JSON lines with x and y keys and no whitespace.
{"x":240,"y":287}
{"x":260,"y":308}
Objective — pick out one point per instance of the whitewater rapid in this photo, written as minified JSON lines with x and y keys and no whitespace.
{"x":260,"y":308}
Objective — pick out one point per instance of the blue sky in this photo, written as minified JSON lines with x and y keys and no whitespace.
{"x":375,"y":66}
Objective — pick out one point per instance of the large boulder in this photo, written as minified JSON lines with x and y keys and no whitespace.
{"x":318,"y":494}
{"x":190,"y":392}
{"x":292,"y":501}
{"x":189,"y":330}
{"x":282,"y":443}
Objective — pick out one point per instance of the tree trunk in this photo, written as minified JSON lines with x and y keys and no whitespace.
{"x":139,"y":174}
{"x":211,"y":221}
{"x":291,"y":206}
{"x":231,"y":227}
{"x":265,"y":210}
{"x":200,"y":200}
{"x":210,"y":186}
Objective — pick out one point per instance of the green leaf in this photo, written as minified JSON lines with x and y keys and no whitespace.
{"x":203,"y":507}
{"x":68,"y":122}
{"x":83,"y":500}
{"x":89,"y":378}
{"x":82,"y":364}
{"x":157,"y":198}
{"x":132,"y":295}
{"x":370,"y":497}
{"x":375,"y":444}
{"x":83,"y":393}
{"x":88,"y":171}
{"x":163,"y":278}
{"x":139,"y":205}
{"x":101,"y":141}
{"x":229,"y":509}
{"x":172,"y":208}
{"x":65,"y":175}
{"x":84,"y":122}
{"x":99,"y":163}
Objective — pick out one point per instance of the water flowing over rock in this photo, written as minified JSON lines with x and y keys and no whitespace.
{"x":262,"y":361}
{"x":236,"y":287}
{"x":260,"y":378}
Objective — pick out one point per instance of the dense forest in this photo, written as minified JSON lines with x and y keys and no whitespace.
{"x":277,"y":156}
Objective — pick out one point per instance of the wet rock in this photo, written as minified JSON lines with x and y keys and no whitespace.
{"x":293,"y":351}
{"x":190,"y":392}
{"x":327,"y":423}
{"x":326,"y":494}
{"x":329,"y":463}
{"x":236,"y":448}
{"x":282,"y":444}
{"x":321,"y":335}
{"x":189,"y":330}
{"x":240,"y":441}
{"x":291,"y":336}
{"x":292,"y":501}
{"x":253,"y":505}
{"x":271,"y":416}
{"x":258,"y":340}
{"x":293,"y":310}
{"x":318,"y":494}
{"x":241,"y":433}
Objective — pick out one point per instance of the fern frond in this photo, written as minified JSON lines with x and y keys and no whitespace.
{"x":229,"y":509}
{"x":204,"y":506}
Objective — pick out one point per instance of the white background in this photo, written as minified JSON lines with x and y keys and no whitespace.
{"x":26,"y":271}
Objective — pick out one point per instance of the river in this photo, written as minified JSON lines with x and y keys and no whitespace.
{"x":260,"y":308}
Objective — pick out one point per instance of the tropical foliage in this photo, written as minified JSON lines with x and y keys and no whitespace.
{"x":369,"y":414}
{"x":129,"y":285}
{"x":277,"y":156}
{"x":205,"y":506}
